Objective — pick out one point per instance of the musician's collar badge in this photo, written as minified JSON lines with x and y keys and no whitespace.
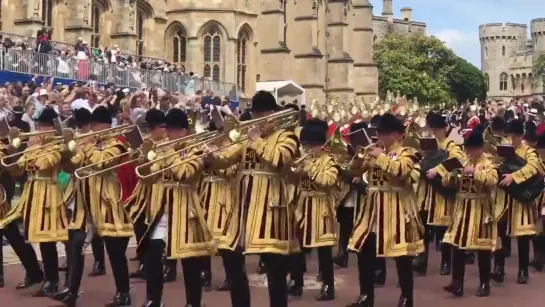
{"x":392,"y":155}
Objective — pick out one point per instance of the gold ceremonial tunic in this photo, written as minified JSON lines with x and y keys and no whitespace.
{"x":499,"y":194}
{"x":136,"y":204}
{"x":175,"y":195}
{"x":4,"y":205}
{"x":315,"y":203}
{"x":439,"y":207}
{"x":41,"y":206}
{"x":217,"y":192}
{"x":522,"y":219}
{"x":264,"y":220}
{"x":103,"y":192}
{"x":473,"y":225}
{"x":389,"y":206}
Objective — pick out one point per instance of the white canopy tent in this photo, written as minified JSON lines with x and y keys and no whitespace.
{"x":287,"y":91}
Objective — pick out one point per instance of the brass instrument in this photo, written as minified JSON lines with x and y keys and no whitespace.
{"x":150,"y":147}
{"x":7,"y":158}
{"x":232,"y":128}
{"x":412,"y":136}
{"x":70,"y":137}
{"x":490,"y":141}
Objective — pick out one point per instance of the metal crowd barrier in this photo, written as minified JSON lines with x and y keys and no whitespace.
{"x":31,"y":41}
{"x":33,"y":63}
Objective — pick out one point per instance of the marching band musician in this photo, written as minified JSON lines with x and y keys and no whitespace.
{"x":137,"y":202}
{"x":217,"y":195}
{"x":176,"y":217}
{"x":314,"y":213}
{"x":386,"y":212}
{"x":22,"y":249}
{"x":98,"y":209}
{"x":539,"y":240}
{"x":348,"y":209}
{"x":436,"y":211}
{"x":521,"y":218}
{"x":473,"y":226}
{"x":266,"y":227}
{"x":41,"y":207}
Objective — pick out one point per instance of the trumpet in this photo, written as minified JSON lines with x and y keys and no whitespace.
{"x":231,"y":128}
{"x":296,"y":164}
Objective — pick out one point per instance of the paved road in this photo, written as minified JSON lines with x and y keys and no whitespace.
{"x":429,"y":292}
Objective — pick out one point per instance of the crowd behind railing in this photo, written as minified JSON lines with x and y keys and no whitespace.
{"x":99,"y":73}
{"x":32,"y":43}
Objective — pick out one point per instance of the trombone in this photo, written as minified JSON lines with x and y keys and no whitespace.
{"x":70,"y":136}
{"x":147,"y":149}
{"x":7,"y":158}
{"x":232,"y":128}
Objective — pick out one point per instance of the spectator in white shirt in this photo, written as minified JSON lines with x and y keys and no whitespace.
{"x":40,"y":103}
{"x":30,"y":109}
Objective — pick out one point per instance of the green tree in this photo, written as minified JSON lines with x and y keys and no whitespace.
{"x":467,"y":82}
{"x":417,"y":66}
{"x":538,"y":70}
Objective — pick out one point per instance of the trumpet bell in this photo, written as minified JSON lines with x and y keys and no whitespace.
{"x":412,"y":136}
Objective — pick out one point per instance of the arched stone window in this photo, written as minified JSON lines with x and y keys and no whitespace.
{"x":140,"y":34}
{"x":242,"y":59}
{"x":212,"y":53}
{"x":503,"y":81}
{"x":95,"y":24}
{"x":503,"y":50}
{"x":487,"y":81}
{"x":179,"y":46}
{"x":314,"y":8}
{"x":47,"y":13}
{"x":374,"y":39}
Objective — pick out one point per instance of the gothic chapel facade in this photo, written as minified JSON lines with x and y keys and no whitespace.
{"x":326,"y":46}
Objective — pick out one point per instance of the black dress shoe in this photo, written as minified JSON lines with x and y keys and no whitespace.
{"x":225,"y":286}
{"x":341,"y":260}
{"x":295,"y":290}
{"x":363,"y":300}
{"x":206,"y":280}
{"x":152,"y":304}
{"x":48,"y":288}
{"x":405,"y":302}
{"x":380,"y":278}
{"x":140,"y":273}
{"x":98,"y":270}
{"x":483,"y":290}
{"x":456,"y":288}
{"x":420,"y":265}
{"x":497,"y":275}
{"x":327,"y":293}
{"x":445,"y":268}
{"x":522,"y":277}
{"x":169,"y":275}
{"x":29,"y":282}
{"x":61,"y":295}
{"x":120,"y":300}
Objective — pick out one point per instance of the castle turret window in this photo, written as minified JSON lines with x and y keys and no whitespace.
{"x":487,"y":81}
{"x":503,"y":81}
{"x":503,"y":50}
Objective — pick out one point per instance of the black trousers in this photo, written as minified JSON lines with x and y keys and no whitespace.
{"x":325,"y":265}
{"x":439,"y":233}
{"x":116,"y":248}
{"x":235,"y":273}
{"x":207,"y":264}
{"x":50,"y":261}
{"x":345,"y":217}
{"x":23,"y":250}
{"x":140,"y":229}
{"x":523,"y":244}
{"x":191,"y":269}
{"x":459,"y":267}
{"x":277,"y":266}
{"x":97,"y":245}
{"x":366,"y":267}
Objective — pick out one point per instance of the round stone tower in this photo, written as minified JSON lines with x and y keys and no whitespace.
{"x":499,"y":41}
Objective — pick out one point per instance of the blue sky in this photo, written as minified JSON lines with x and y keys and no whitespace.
{"x":456,"y":22}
